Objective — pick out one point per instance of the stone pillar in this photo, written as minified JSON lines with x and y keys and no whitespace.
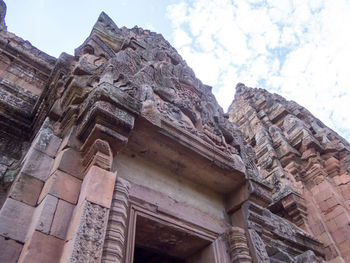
{"x":98,"y":226}
{"x":115,"y":241}
{"x":238,"y":247}
{"x":85,"y":238}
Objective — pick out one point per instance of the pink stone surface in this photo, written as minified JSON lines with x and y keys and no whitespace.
{"x":37,"y":164}
{"x":15,"y":219}
{"x":70,"y":141}
{"x":43,"y":215}
{"x":63,"y":186}
{"x":62,"y":219}
{"x":9,"y":250}
{"x":68,"y":161}
{"x":46,"y":142}
{"x":41,"y":248}
{"x":98,"y":186}
{"x":26,"y":189}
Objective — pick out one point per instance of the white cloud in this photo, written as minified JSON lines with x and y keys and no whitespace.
{"x":181,"y":38}
{"x":298,"y":47}
{"x":150,"y":27}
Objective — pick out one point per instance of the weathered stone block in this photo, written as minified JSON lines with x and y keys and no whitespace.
{"x":325,"y":239}
{"x":70,"y":141}
{"x":15,"y":219}
{"x":345,"y":247}
{"x":41,"y":248}
{"x":46,"y":142}
{"x":9,"y":250}
{"x":98,"y":187}
{"x":339,"y":236}
{"x":344,"y":178}
{"x":26,"y":189}
{"x":37,"y":164}
{"x":317,"y":229}
{"x":62,"y":219}
{"x":69,"y":161}
{"x":43,"y":215}
{"x":63,"y":186}
{"x":331,"y":202}
{"x":332,"y":166}
{"x":332,"y":226}
{"x":334,"y":213}
{"x":342,"y":220}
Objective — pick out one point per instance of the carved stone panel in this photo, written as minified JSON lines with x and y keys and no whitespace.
{"x":89,"y":236}
{"x":258,"y":246}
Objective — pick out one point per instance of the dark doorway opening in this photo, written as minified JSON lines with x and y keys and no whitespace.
{"x":144,"y":255}
{"x":160,"y":241}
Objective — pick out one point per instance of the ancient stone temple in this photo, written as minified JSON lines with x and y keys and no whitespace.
{"x":120,"y":154}
{"x":307,"y":164}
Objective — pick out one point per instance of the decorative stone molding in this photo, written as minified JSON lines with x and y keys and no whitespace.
{"x":294,"y":205}
{"x":263,"y":228}
{"x":89,"y":238}
{"x":260,"y":192}
{"x":115,"y":241}
{"x":306,"y":162}
{"x":260,"y":254}
{"x":238,"y":247}
{"x":99,"y":154}
{"x":106,"y":120}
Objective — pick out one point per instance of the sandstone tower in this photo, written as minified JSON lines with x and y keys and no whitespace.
{"x":120,"y":154}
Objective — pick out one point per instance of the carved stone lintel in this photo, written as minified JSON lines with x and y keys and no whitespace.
{"x":260,"y":192}
{"x":238,"y":247}
{"x":114,"y":246}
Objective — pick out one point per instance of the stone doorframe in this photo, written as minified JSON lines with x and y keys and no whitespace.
{"x":216,"y":250}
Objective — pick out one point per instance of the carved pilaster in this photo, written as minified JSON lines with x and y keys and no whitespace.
{"x":114,"y":246}
{"x":88,"y":242}
{"x":238,"y":247}
{"x":258,"y":247}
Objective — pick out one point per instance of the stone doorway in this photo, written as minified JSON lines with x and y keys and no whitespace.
{"x":156,"y":240}
{"x":142,"y":255}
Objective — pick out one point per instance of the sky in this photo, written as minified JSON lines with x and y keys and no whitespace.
{"x":299,"y":49}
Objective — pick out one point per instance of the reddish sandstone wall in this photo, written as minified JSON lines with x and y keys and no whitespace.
{"x":127,"y":91}
{"x":307,"y":163}
{"x":24,"y":72}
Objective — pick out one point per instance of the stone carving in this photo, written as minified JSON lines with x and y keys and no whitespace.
{"x":99,"y":154}
{"x":238,"y":246}
{"x":88,"y":243}
{"x":144,"y":59}
{"x":120,"y":79}
{"x":115,"y":241}
{"x":258,"y":246}
{"x":305,"y":161}
{"x":268,"y":229}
